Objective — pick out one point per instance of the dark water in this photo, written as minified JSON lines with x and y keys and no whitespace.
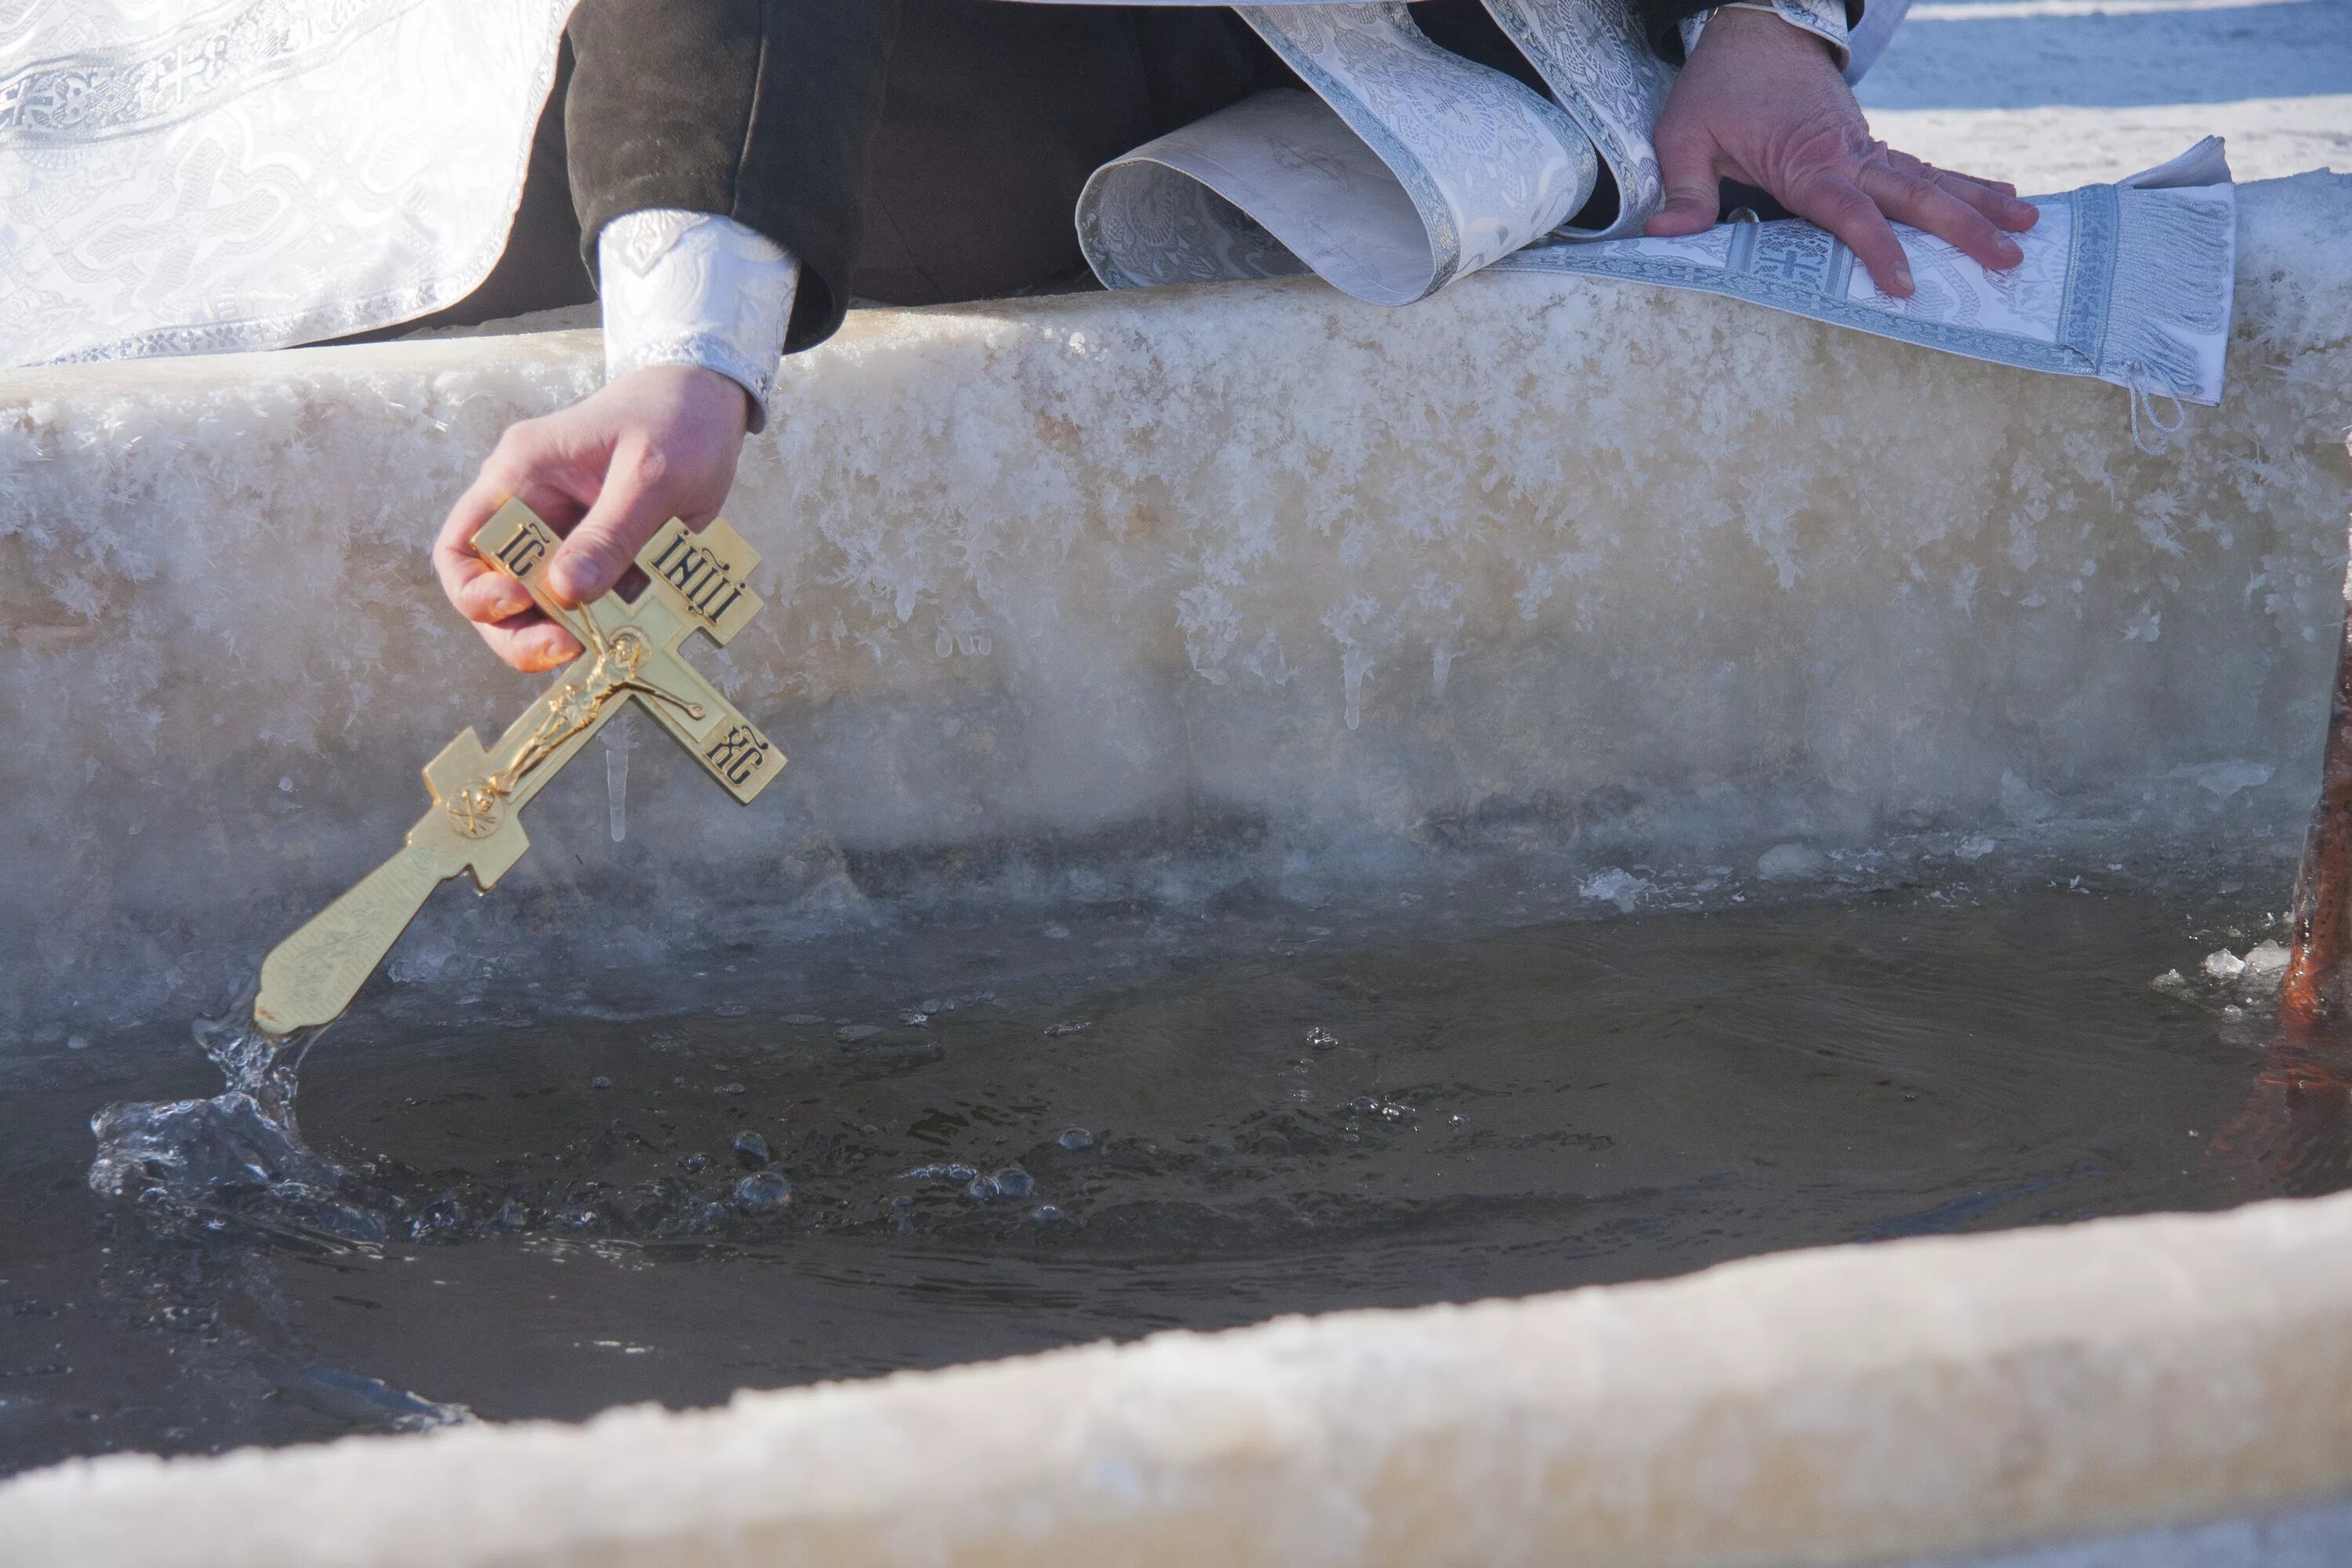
{"x":1141,"y":1129}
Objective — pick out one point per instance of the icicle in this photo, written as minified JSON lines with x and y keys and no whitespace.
{"x":618,"y":745}
{"x":1354,"y":665}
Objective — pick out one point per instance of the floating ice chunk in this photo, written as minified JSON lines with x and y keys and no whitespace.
{"x":2224,"y":964}
{"x":347,"y":1393}
{"x":2172,"y":982}
{"x":2223,"y":779}
{"x":2265,"y":960}
{"x":1615,"y":885}
{"x":1975,"y":846}
{"x":1791,"y":863}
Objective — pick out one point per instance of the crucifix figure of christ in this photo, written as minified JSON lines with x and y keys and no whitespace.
{"x":632,"y":651}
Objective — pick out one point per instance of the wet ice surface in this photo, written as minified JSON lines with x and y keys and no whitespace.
{"x":943,"y":1144}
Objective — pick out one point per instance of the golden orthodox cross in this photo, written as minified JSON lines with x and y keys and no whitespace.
{"x":696,"y":582}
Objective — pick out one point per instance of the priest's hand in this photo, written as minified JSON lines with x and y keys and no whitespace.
{"x":1762,"y":102}
{"x":607,"y":472}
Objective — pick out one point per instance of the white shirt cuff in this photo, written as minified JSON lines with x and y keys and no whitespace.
{"x":688,"y":288}
{"x":1824,"y":19}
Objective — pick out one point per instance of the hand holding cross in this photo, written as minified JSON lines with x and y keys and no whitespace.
{"x":696,"y":583}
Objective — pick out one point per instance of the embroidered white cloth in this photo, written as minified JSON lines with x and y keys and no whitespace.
{"x":2130,"y":282}
{"x":187,"y":176}
{"x":688,"y":288}
{"x":193,"y":177}
{"x":1392,"y":178}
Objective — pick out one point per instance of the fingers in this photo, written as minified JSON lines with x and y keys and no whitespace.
{"x":478,"y":593}
{"x":1839,"y":206}
{"x":1686,"y":165}
{"x":531,"y":642}
{"x":499,"y":606}
{"x":1996,"y":199}
{"x":1903,"y":192}
{"x":631,"y":508}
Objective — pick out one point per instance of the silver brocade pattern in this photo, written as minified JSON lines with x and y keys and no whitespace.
{"x":688,"y":288}
{"x":178,"y":177}
{"x":1373,"y":181}
{"x":183,"y":177}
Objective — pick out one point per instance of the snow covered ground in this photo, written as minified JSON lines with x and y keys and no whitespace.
{"x":2057,"y":93}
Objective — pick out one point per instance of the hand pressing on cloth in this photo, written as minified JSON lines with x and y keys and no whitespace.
{"x":654,"y":443}
{"x":1763,"y":103}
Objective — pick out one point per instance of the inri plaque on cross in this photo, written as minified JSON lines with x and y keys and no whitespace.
{"x":696,"y":582}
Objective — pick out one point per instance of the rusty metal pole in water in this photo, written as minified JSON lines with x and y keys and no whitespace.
{"x":2315,"y":985}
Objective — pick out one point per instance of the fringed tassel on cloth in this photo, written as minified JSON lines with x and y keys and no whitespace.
{"x":2169,"y":295}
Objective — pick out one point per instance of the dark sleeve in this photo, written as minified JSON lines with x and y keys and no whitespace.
{"x":1662,"y":21}
{"x":760,"y":110}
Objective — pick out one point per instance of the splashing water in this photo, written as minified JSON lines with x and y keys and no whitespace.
{"x":240,"y":1154}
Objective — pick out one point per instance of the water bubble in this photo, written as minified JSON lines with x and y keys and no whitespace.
{"x":850,"y":1034}
{"x":1011,"y":1182}
{"x":914,"y":1017}
{"x":767,"y":1190}
{"x":1055,"y":931}
{"x":1077,"y":1138}
{"x":77,"y":1043}
{"x":1076,"y":1026}
{"x":751,"y":1150}
{"x":728,"y":1089}
{"x":600,"y":1082}
{"x":1045,"y":1213}
{"x":801,"y":1020}
{"x":693,"y":1164}
{"x":1321,"y":1039}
